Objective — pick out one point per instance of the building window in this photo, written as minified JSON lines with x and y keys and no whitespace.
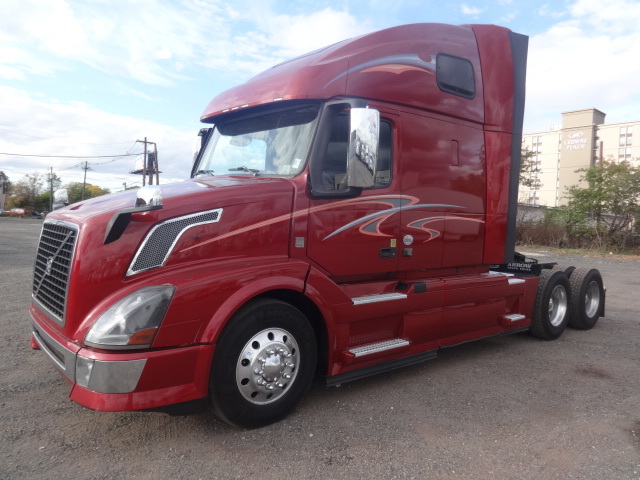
{"x":624,"y":154}
{"x":536,"y":144}
{"x":626,"y":135}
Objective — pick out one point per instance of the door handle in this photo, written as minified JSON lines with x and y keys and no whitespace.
{"x":388,"y":252}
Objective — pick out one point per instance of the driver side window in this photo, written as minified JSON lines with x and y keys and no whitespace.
{"x":334,"y":175}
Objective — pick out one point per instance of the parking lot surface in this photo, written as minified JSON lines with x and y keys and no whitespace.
{"x":510,"y":407}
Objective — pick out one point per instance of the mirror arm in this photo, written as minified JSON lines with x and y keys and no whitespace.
{"x":148,"y":198}
{"x":120,"y":220}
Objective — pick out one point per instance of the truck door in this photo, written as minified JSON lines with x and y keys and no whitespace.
{"x":353,"y":234}
{"x":442,"y":170}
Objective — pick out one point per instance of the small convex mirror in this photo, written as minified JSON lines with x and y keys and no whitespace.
{"x":363,"y":147}
{"x":60,"y":198}
{"x":149,"y":196}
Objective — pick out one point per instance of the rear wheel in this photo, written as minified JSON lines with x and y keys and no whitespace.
{"x":551,"y":309}
{"x":587,"y":298}
{"x":264,"y":363}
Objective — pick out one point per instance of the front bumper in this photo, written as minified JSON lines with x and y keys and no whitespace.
{"x":126,"y":380}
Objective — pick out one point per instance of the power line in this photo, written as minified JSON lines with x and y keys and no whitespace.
{"x":70,"y":156}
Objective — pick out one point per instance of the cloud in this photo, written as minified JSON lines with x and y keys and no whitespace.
{"x":156,"y":42}
{"x":545,"y":11}
{"x":140,"y":40}
{"x":587,"y":60}
{"x":470,"y":10}
{"x":48,"y":128}
{"x":295,"y":35}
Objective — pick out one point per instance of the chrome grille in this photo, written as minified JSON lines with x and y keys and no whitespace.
{"x":53,"y":267}
{"x":159,"y":242}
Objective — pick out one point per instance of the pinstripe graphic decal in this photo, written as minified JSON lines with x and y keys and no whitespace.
{"x":368,"y":224}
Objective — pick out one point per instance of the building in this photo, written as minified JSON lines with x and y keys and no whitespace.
{"x":583,"y":140}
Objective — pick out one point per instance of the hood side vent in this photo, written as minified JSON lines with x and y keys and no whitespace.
{"x":162,"y":238}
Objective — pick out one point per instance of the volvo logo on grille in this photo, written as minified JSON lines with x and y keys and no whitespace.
{"x":47,"y":270}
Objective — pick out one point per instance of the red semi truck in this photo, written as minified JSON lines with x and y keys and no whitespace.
{"x":350,"y":211}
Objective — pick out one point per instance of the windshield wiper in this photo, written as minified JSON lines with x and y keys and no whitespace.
{"x":204,"y":172}
{"x":245,"y":169}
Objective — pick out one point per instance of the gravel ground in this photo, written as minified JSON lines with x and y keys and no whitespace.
{"x":509,"y":408}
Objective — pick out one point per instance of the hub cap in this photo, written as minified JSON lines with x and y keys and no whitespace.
{"x":267,"y":365}
{"x":557,"y":305}
{"x":592,"y":299}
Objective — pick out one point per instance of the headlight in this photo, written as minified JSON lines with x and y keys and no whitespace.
{"x":132,"y":321}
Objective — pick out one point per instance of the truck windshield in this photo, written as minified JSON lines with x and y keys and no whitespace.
{"x":274,"y":143}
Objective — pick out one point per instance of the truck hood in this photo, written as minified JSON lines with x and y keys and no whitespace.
{"x":173,"y":195}
{"x":203,"y":223}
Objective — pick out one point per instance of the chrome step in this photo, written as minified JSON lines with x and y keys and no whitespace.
{"x":382,"y":297}
{"x":378,"y":347}
{"x":514,"y":317}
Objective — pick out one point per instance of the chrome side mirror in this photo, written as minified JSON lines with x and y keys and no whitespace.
{"x":363,"y":147}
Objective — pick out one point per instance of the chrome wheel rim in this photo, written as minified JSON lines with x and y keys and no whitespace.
{"x":592,"y":299}
{"x":267,"y":366}
{"x":557,"y":305}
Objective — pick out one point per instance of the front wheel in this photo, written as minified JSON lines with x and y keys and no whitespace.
{"x":551,"y":309}
{"x":263,"y":365}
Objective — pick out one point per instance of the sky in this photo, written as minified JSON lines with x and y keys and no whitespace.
{"x":83,"y":80}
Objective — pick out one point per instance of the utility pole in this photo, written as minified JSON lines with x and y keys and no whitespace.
{"x":152,"y":167}
{"x":155,"y":161}
{"x":84,"y":182}
{"x":144,"y":163}
{"x":50,"y":189}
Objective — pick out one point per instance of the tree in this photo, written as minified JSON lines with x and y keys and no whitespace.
{"x":53,"y":181}
{"x":90,"y":191}
{"x":24,"y":192}
{"x":528,"y":166}
{"x":611,"y":200}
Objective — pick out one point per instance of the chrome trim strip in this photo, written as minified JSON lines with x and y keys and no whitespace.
{"x":515,"y":281}
{"x":130,"y":270}
{"x":514,"y":317}
{"x":379,"y":347}
{"x":382,"y":297}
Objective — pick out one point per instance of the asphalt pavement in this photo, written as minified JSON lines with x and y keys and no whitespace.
{"x":510,"y":407}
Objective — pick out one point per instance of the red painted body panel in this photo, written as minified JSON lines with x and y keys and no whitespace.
{"x":170,"y":376}
{"x":395,"y":65}
{"x":498,"y":175}
{"x":443,"y":216}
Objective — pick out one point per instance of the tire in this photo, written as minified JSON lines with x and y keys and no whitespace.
{"x":551,"y":309}
{"x":587,"y":298}
{"x":263,"y":365}
{"x":567,"y":269}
